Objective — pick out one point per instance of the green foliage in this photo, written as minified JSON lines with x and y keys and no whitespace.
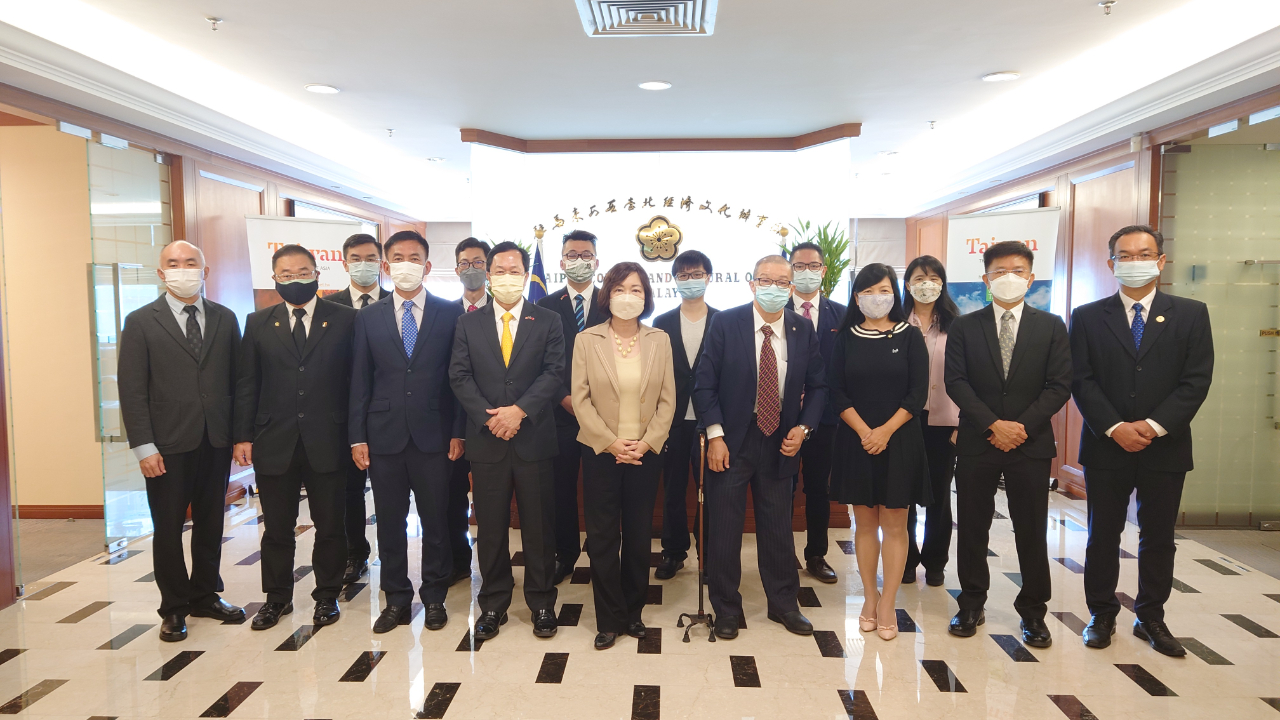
{"x":835,"y":250}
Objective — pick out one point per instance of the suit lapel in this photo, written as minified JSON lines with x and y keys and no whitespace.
{"x":793,"y":347}
{"x":1118,"y":320}
{"x":609,"y":367}
{"x":164,"y":316}
{"x":319,"y":328}
{"x":489,"y":331}
{"x":389,"y":316}
{"x":429,"y":311}
{"x":211,"y":321}
{"x":1161,"y":307}
{"x":524,"y":325}
{"x":988,"y":323}
{"x":677,"y":342}
{"x":280,"y":322}
{"x":1030,"y":316}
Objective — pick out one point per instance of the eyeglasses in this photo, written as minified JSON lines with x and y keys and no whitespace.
{"x":766,"y":282}
{"x":309,"y":275}
{"x":575,"y":255}
{"x":814,"y":266}
{"x":696,"y":275}
{"x":477,"y":264}
{"x":997,"y":274}
{"x":1144,"y":257}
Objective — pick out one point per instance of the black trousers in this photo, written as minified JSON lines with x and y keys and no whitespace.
{"x":815,"y":475}
{"x":326,"y":499}
{"x":568,"y":539}
{"x":681,"y":457}
{"x":1026,"y":483}
{"x":356,"y":523}
{"x":459,"y":512}
{"x":618,"y":506}
{"x":1159,"y":494}
{"x":534,"y":488}
{"x":756,"y":466}
{"x":941,"y":457}
{"x":393,"y":477}
{"x":197,"y":479}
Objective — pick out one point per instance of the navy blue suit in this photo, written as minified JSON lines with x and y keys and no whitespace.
{"x":723,"y":394}
{"x":402,"y":407}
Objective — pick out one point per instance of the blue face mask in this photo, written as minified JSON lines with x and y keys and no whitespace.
{"x":691,"y":289}
{"x":773,"y":298}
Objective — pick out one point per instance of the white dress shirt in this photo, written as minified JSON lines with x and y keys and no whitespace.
{"x":418,"y":301}
{"x":481,"y":302}
{"x":310,"y":308}
{"x":1128,"y":303}
{"x":691,"y":332}
{"x":779,"y":343}
{"x":1017,"y":318}
{"x":587,"y":296}
{"x":356,"y":294}
{"x":515,"y":311}
{"x":179,"y":309}
{"x":813,"y":311}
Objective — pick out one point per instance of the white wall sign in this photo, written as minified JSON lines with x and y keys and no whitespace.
{"x":968,"y":236}
{"x":324,"y":238}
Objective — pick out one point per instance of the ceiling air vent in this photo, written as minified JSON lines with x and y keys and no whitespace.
{"x":637,"y":18}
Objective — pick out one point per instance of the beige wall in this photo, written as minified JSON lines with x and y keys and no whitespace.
{"x":44,"y":188}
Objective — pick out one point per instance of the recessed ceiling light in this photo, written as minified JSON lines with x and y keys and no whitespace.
{"x":435,"y":159}
{"x":1002,"y":76}
{"x":321,"y":89}
{"x":887,"y":153}
{"x":655,"y":85}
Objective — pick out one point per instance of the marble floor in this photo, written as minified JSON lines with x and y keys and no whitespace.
{"x":83,"y":644}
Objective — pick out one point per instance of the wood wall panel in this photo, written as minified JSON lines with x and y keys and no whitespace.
{"x":931,"y":238}
{"x":222,"y":235}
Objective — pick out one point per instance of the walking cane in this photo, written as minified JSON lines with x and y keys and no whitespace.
{"x":702,"y":618}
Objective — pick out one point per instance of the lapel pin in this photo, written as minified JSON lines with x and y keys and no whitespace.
{"x":1159,"y":318}
{"x":528,"y":317}
{"x":324,"y":324}
{"x":277,"y":323}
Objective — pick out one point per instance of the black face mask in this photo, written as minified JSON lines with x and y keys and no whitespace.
{"x":298,"y":293}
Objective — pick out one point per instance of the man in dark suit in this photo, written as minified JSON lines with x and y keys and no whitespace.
{"x":404,"y":428}
{"x":362,"y":259}
{"x":176,"y":376}
{"x":291,"y":425}
{"x":808,"y":268}
{"x":507,"y":372}
{"x":578,"y":310}
{"x":1142,"y":363}
{"x":755,"y":439}
{"x":687,"y":325}
{"x":1009,"y":370}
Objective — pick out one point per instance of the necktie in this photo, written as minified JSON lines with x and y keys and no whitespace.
{"x":1138,"y":325}
{"x":807,"y":306}
{"x":408,"y":328}
{"x":507,"y":341}
{"x":194,"y":338}
{"x":364,"y":301}
{"x":579,"y":314}
{"x":470,"y":308}
{"x":299,"y":329}
{"x":1006,"y":341}
{"x":768,"y":404}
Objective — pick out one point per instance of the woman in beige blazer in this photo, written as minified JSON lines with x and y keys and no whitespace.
{"x":624,"y":396}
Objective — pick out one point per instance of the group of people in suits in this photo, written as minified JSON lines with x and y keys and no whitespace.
{"x":878,"y":406}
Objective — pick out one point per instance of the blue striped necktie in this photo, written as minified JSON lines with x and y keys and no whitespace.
{"x":408,"y":328}
{"x":578,"y":313}
{"x":1138,"y":325}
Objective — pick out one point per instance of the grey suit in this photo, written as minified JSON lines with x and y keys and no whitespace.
{"x":181,"y":401}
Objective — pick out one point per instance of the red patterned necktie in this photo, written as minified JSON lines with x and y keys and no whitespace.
{"x":470,"y":308}
{"x":807,"y":307}
{"x":768,"y":404}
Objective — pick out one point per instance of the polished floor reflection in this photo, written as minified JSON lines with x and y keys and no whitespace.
{"x":83,"y":644}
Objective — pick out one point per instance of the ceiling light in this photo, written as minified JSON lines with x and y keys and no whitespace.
{"x":655,"y":85}
{"x":321,"y":89}
{"x":1002,"y":76}
{"x":887,"y":153}
{"x":435,"y":159}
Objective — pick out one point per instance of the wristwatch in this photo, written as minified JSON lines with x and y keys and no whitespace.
{"x":808,"y":431}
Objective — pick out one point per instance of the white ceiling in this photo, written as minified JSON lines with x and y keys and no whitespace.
{"x":526,"y":68}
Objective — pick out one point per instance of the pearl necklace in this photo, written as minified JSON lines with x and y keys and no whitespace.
{"x":617,"y":340}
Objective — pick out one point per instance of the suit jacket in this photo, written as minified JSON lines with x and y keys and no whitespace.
{"x":669,"y":322}
{"x":724,"y":392}
{"x":830,"y":320}
{"x":168,"y":395}
{"x":283,"y":395}
{"x":397,"y":397}
{"x":532,"y":381}
{"x":344,"y":297}
{"x":1038,"y":385}
{"x":559,"y":302}
{"x":1165,"y":380}
{"x":596,"y":391}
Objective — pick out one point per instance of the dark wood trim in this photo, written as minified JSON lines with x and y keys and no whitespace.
{"x":587,"y":145}
{"x":59,"y":512}
{"x":1199,"y":124}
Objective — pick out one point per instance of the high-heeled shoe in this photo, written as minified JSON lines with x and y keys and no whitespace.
{"x":866,"y":624}
{"x":887,"y":632}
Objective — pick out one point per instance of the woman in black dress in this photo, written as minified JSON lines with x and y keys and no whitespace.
{"x":879,"y":378}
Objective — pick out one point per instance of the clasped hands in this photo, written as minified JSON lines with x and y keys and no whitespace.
{"x":1133,"y":436}
{"x":628,"y":452}
{"x":875,"y":440}
{"x":504,"y":421}
{"x":1007,"y":434}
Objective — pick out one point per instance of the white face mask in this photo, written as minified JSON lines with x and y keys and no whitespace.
{"x":875,"y":306}
{"x":184,"y":282}
{"x":1137,"y":273}
{"x":506,"y":289}
{"x":364,"y":273}
{"x":926,"y":291}
{"x":626,"y":307}
{"x":407,"y":276}
{"x":1009,"y":288}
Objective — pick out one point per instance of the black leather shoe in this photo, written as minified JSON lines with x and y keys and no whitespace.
{"x":563,"y":570}
{"x":545,"y":624}
{"x":935,"y":578}
{"x":220,"y":610}
{"x":966,"y":622}
{"x":269,"y":614}
{"x":1035,"y":633}
{"x":487,"y":625}
{"x":173,"y":628}
{"x":437,"y":617}
{"x":1097,"y":634}
{"x":667,"y":568}
{"x":604,"y":641}
{"x":460,"y":574}
{"x":1157,"y":634}
{"x":909,"y":576}
{"x":327,"y":612}
{"x":793,"y":621}
{"x":820,"y":570}
{"x":637,"y":630}
{"x":390,"y":618}
{"x":727,"y":627}
{"x":356,"y":568}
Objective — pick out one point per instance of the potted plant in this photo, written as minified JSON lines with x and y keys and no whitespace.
{"x":835,"y":250}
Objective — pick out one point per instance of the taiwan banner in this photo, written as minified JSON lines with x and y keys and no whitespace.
{"x":968,"y":236}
